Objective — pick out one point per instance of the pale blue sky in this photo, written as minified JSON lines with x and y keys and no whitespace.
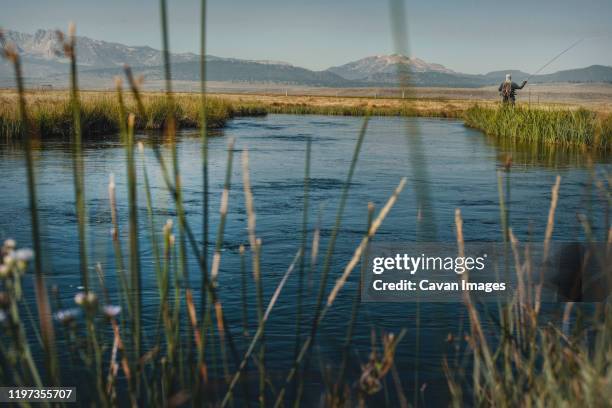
{"x":473,"y":36}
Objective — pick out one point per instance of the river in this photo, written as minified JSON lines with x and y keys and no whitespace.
{"x":450,"y":165}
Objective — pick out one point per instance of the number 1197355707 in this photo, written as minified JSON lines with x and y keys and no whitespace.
{"x":32,"y":394}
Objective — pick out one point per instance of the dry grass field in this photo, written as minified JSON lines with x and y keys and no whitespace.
{"x":596,"y":97}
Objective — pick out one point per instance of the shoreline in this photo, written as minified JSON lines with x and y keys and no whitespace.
{"x":51,"y":114}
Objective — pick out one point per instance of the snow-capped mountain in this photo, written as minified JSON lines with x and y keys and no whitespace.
{"x":44,"y":45}
{"x":99,"y":61}
{"x":373,"y":67}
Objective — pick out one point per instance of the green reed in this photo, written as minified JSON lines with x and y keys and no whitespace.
{"x":243,"y":292}
{"x":44,"y":314}
{"x":216,"y":262}
{"x":134,"y":253}
{"x":326,"y":268}
{"x":548,"y":126}
{"x":204,"y":136}
{"x":359,"y":251}
{"x":527,"y":361}
{"x":211,"y":290}
{"x":151,"y":218}
{"x":331,"y":247}
{"x":13,"y":266}
{"x":255,"y":245}
{"x":77,"y":153}
{"x":163,"y":372}
{"x":300,"y":290}
{"x":259,"y":332}
{"x":402,"y":110}
{"x":134,"y":299}
{"x":51,"y":115}
{"x":339,"y":386}
{"x":167,"y":372}
{"x":25,"y":370}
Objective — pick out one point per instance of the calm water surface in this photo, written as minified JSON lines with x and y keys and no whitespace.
{"x":457,"y":167}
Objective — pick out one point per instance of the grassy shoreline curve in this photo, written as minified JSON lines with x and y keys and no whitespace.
{"x":566,"y":127}
{"x":51,"y":113}
{"x":548,"y":124}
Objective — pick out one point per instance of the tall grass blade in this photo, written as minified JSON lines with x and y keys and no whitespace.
{"x":204,"y":136}
{"x":77,"y":152}
{"x":260,"y":329}
{"x":255,"y":245}
{"x":354,"y":312}
{"x":300,"y":290}
{"x":339,"y":284}
{"x":135,"y":273}
{"x":42,"y":300}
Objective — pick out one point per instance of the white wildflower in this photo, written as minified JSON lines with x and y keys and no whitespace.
{"x":66,"y":315}
{"x":111,"y":310}
{"x":4,"y":271}
{"x":87,"y":300}
{"x":9,"y":259}
{"x":10,"y":244}
{"x":24,"y":254}
{"x":79,"y":298}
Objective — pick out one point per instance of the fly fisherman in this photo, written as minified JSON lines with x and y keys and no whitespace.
{"x":508,"y":89}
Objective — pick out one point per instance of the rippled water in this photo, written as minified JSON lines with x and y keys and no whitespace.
{"x":457,"y":167}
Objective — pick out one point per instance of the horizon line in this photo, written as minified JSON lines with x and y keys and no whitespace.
{"x":282,"y":61}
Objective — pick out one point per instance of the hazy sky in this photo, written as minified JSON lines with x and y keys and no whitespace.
{"x":474,"y":36}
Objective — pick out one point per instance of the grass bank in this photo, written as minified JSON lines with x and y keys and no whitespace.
{"x":51,"y":114}
{"x":363,"y":106}
{"x":567,"y":127}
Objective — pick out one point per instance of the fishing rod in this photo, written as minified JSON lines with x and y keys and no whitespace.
{"x":564,"y":51}
{"x":555,"y":58}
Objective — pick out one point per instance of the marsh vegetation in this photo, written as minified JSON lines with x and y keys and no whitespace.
{"x":565,"y":127}
{"x":50,"y":114}
{"x":193,"y":355}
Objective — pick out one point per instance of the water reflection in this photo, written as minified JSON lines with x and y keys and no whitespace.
{"x":546,"y":155}
{"x":522,"y":153}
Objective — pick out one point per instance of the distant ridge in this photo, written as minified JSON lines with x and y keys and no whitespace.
{"x":44,"y":46}
{"x":100,"y":61}
{"x":233,"y":70}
